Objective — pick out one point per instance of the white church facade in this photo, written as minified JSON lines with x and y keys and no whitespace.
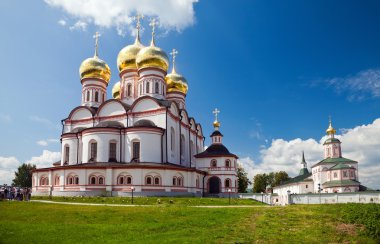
{"x":142,"y":140}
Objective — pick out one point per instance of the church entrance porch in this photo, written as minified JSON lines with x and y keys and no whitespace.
{"x":214,"y":185}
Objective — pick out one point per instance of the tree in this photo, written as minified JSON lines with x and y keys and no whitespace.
{"x":260,"y":183}
{"x":243,"y":180}
{"x":24,"y":175}
{"x":280,"y":177}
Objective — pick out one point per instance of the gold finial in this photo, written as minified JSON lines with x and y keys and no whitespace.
{"x":330,"y":130}
{"x":216,"y":123}
{"x":173,"y":53}
{"x":137,"y":18}
{"x":153,"y":23}
{"x":96,"y":36}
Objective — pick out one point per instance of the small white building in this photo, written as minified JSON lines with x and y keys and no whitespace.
{"x":142,"y":140}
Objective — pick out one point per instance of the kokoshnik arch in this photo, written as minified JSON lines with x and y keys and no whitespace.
{"x":142,"y":138}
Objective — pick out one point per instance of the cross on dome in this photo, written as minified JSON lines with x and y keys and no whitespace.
{"x":173,"y":53}
{"x":96,"y":36}
{"x":153,"y":23}
{"x":216,"y":123}
{"x":216,"y":111}
{"x":137,"y":18}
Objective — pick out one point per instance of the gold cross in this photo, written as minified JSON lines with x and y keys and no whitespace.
{"x":216,"y":111}
{"x":138,"y":17}
{"x":174,"y":53}
{"x":96,"y":36}
{"x":153,"y":23}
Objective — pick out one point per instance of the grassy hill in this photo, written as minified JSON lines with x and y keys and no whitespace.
{"x":32,"y":222}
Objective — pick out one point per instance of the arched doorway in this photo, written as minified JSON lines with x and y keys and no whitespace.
{"x":214,"y":185}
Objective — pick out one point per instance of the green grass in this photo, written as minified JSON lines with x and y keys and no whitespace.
{"x":33,"y":222}
{"x":183,"y":201}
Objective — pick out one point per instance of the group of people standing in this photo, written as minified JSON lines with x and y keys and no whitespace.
{"x":15,"y":193}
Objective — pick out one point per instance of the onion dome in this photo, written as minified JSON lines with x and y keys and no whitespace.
{"x":127,"y":56}
{"x":216,"y":124}
{"x":116,"y":90}
{"x":95,"y":67}
{"x":152,"y":56}
{"x":176,"y":82}
{"x":330,"y":130}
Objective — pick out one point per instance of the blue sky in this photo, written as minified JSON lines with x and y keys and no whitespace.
{"x":275,"y":69}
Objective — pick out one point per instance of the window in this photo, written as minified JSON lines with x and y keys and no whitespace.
{"x":156,"y":180}
{"x":70,"y":180}
{"x":335,"y":175}
{"x":129,"y":180}
{"x":172,"y":138}
{"x":228,"y":163}
{"x":101,"y":180}
{"x":141,"y":89}
{"x":93,"y":151}
{"x":345,"y":174}
{"x":76,"y":180}
{"x":44,"y":181}
{"x":179,"y":181}
{"x":306,"y":186}
{"x":92,"y":180}
{"x":213,"y":163}
{"x":174,"y":181}
{"x":136,"y":151}
{"x":156,"y":89}
{"x":227,"y":183}
{"x":147,"y":87}
{"x":56,"y":180}
{"x":121,"y":180}
{"x":352,"y":173}
{"x":88,"y":96}
{"x":148,"y":180}
{"x":129,"y":90}
{"x":197,"y":182}
{"x":183,"y":150}
{"x":112,"y":152}
{"x":96,"y":96}
{"x":67,"y":154}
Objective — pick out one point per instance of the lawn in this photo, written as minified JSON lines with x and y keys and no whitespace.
{"x":33,"y":222}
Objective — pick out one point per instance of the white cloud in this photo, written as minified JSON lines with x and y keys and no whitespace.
{"x":172,"y":14}
{"x":62,"y":22}
{"x":361,"y":143}
{"x":46,"y":159}
{"x":8,"y":165}
{"x":5,"y":118}
{"x":364,"y":84}
{"x":79,"y":25}
{"x":47,"y":142}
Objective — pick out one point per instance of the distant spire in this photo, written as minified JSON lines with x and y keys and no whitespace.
{"x":173,"y":53}
{"x":216,"y":122}
{"x":153,"y":24}
{"x":96,"y":36}
{"x":138,"y":17}
{"x":303,"y":159}
{"x":330,"y":130}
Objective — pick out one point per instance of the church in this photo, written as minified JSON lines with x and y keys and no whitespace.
{"x":141,"y":141}
{"x":333,"y":174}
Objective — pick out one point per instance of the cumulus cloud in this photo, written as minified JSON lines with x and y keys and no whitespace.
{"x":45,"y":143}
{"x":172,"y":14}
{"x":361,"y":143}
{"x":79,"y":25}
{"x":364,"y":84}
{"x":62,"y":22}
{"x":46,"y":159}
{"x":8,"y":166}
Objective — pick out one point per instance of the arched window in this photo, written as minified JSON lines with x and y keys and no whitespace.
{"x":183,"y":150}
{"x":172,"y":139}
{"x":88,"y":96}
{"x":96,"y":96}
{"x":197,"y":182}
{"x":227,"y":183}
{"x":44,"y":181}
{"x":228,"y":163}
{"x":191,"y":150}
{"x":56,"y":180}
{"x":135,"y":151}
{"x":70,"y":180}
{"x":92,"y":180}
{"x":213,"y":163}
{"x":174,"y":181}
{"x":147,"y":87}
{"x":76,"y":180}
{"x":67,"y":154}
{"x":101,"y":180}
{"x":129,"y":90}
{"x":156,"y":180}
{"x":179,"y":181}
{"x":141,"y":89}
{"x":112,"y":152}
{"x":121,"y":180}
{"x":156,"y":89}
{"x":148,"y":180}
{"x":129,"y":180}
{"x":93,"y":151}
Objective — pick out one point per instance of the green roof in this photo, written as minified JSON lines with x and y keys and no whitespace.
{"x":303,"y":171}
{"x":341,"y":183}
{"x":334,"y":160}
{"x":332,"y":140}
{"x":342,"y":166}
{"x":296,"y":179}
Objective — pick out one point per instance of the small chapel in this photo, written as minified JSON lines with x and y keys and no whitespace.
{"x":141,"y":141}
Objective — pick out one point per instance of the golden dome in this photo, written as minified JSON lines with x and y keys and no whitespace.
{"x":127,"y":56}
{"x":152,"y":57}
{"x":116,"y":90}
{"x":216,"y":124}
{"x":176,"y":83}
{"x":330,"y":130}
{"x":95,"y":68}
